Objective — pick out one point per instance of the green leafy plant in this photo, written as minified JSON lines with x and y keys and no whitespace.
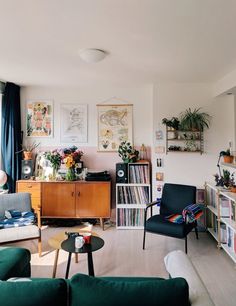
{"x":171,"y":123}
{"x":225,"y":153}
{"x":127,"y":152}
{"x":194,"y":120}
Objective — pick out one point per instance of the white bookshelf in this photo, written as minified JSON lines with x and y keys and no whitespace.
{"x":133,"y":197}
{"x":221,"y":217}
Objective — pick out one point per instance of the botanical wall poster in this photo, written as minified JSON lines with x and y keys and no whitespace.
{"x":115,"y":124}
{"x":39,"y":120}
{"x":74,"y":125}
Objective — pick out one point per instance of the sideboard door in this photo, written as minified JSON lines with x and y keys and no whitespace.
{"x":58,"y":199}
{"x":93,"y":200}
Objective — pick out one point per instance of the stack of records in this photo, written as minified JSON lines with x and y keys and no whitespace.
{"x":97,"y":176}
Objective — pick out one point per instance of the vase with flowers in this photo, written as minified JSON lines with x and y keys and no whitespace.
{"x":72,"y":160}
{"x":54,"y":157}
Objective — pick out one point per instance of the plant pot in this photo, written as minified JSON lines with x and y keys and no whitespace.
{"x":233,"y":189}
{"x":27,"y":155}
{"x":228,"y":159}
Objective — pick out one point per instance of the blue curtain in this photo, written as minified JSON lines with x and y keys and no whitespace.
{"x":11,"y":134}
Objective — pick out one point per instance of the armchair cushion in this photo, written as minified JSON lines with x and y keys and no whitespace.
{"x":159,"y":224}
{"x":19,"y":233}
{"x":14,"y":262}
{"x":15,"y":201}
{"x":87,"y":290}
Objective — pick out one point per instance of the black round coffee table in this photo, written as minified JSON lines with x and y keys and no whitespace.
{"x":68,"y":245}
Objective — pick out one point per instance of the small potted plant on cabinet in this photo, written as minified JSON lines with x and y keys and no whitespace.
{"x":28,"y":150}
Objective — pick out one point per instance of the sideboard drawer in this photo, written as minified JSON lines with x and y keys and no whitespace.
{"x":31,"y":187}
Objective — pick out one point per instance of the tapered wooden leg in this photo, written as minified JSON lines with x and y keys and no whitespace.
{"x":102,"y":223}
{"x":144,"y":238}
{"x":55,"y":263}
{"x":40,"y":246}
{"x":76,"y":257}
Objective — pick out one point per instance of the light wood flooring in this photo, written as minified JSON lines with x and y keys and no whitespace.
{"x":122,"y":254}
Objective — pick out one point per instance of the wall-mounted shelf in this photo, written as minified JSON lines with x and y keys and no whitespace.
{"x":184,"y":141}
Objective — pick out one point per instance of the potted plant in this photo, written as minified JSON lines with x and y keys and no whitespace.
{"x":127,"y":152}
{"x":225,"y":180}
{"x":194,"y":120}
{"x":172,"y":124}
{"x":28,"y":150}
{"x":228,"y":158}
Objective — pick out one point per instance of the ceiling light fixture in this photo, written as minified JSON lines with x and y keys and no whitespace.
{"x":92,"y":55}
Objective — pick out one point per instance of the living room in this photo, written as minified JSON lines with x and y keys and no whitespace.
{"x":160,"y":59}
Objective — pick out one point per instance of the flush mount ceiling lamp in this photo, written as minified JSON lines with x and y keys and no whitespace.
{"x":92,"y":55}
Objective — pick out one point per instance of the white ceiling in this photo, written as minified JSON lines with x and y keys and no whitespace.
{"x":147,"y":41}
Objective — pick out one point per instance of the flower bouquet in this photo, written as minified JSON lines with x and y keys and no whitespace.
{"x":71,"y":158}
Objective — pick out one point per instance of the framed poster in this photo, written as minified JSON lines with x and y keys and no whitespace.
{"x":115,"y":124}
{"x":74,"y":123}
{"x":39,"y":118}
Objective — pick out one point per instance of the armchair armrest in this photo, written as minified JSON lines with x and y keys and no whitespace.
{"x":149,"y":205}
{"x":38,"y":214}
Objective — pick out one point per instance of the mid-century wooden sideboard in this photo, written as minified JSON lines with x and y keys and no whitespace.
{"x":76,"y":199}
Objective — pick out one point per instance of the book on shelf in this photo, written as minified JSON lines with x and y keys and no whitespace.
{"x":223,"y":233}
{"x":232,"y":210}
{"x":130,"y":217}
{"x":224,"y":206}
{"x":138,"y":174}
{"x":230,"y":238}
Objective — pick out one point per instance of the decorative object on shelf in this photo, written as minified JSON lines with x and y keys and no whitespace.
{"x":74,"y":125}
{"x":174,"y":148}
{"x":143,"y":152}
{"x":115,"y":125}
{"x":39,"y":118}
{"x":194,"y":120}
{"x":28,"y":150}
{"x":190,"y":145}
{"x":226,"y":180}
{"x":127,"y":152}
{"x":228,"y":158}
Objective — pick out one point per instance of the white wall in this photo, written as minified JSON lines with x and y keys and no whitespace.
{"x":193,"y":168}
{"x":140,"y":97}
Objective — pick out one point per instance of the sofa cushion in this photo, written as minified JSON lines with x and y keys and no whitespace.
{"x":86,"y":291}
{"x":14,"y":262}
{"x":45,"y":292}
{"x":19,"y":233}
{"x":179,"y":265}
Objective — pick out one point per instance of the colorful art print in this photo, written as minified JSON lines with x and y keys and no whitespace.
{"x":160,"y":149}
{"x":39,"y":120}
{"x":74,"y":123}
{"x":115,"y":124}
{"x":159,"y":176}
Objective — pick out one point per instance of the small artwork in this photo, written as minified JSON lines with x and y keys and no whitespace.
{"x":159,"y":176}
{"x":115,"y":124}
{"x":39,"y":118}
{"x":159,"y":135}
{"x":160,"y":149}
{"x":74,"y":125}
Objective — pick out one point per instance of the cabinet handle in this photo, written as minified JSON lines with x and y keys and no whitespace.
{"x":78,"y":193}
{"x":29,"y":186}
{"x":72,"y":193}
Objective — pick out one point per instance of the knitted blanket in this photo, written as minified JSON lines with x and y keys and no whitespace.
{"x":190,"y":214}
{"x":14,"y":218}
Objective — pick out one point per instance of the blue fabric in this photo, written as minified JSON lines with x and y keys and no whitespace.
{"x":11,"y":134}
{"x":14,"y":218}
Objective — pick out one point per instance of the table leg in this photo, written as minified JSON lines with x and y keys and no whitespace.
{"x":76,"y":257}
{"x":68,"y":266}
{"x":55,"y":263}
{"x":90,"y":264}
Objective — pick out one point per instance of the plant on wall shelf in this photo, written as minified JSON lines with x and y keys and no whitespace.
{"x":127,"y":152}
{"x":194,"y":120}
{"x":172,"y":123}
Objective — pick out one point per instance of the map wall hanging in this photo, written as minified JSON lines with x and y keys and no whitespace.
{"x":74,"y":125}
{"x":39,"y":118}
{"x":115,"y":124}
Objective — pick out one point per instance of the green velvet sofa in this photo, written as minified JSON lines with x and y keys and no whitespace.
{"x":82,"y":289}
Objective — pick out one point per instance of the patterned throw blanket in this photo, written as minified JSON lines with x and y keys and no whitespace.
{"x":14,"y":218}
{"x":190,"y":214}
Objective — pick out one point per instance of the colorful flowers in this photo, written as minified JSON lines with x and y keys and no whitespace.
{"x":72,"y":156}
{"x":54,"y":157}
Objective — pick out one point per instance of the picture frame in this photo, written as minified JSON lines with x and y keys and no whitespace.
{"x":74,"y":123}
{"x":39,"y":118}
{"x":115,"y":124}
{"x":159,"y":176}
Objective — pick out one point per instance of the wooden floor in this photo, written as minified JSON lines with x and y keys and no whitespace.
{"x":123,"y":255}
